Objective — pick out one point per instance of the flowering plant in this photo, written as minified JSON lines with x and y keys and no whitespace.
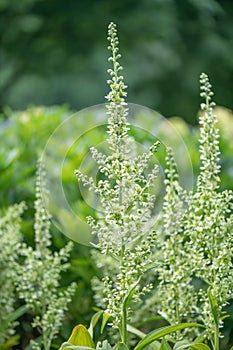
{"x":192,"y":241}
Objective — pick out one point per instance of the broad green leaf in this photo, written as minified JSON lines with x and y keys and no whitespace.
{"x":214,"y":308}
{"x":81,"y":337}
{"x":68,"y":346}
{"x":94,"y":320}
{"x":161,"y":332}
{"x":165,"y":345}
{"x":104,"y":321}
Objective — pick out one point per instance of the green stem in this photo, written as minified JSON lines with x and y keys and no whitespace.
{"x":177,"y":317}
{"x":124,"y":327}
{"x":216,"y":338}
{"x":124,"y":315}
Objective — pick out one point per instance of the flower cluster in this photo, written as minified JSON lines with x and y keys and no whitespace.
{"x":38,"y":278}
{"x":209,"y":140}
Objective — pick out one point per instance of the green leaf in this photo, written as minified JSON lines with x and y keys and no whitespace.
{"x":104,"y":321}
{"x":68,"y":346}
{"x":161,"y":332}
{"x":135,"y":331}
{"x":181,"y":344}
{"x":214,"y":308}
{"x":224,"y":317}
{"x":165,"y":345}
{"x":199,"y":346}
{"x":155,"y":345}
{"x":200,"y":338}
{"x":192,"y":346}
{"x":12,"y":341}
{"x":81,"y":337}
{"x":94,"y":320}
{"x":15,"y":315}
{"x":128,"y":297}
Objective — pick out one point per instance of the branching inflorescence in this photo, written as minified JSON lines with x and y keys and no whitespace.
{"x":209,"y":225}
{"x":126,"y":202}
{"x":198,"y":242}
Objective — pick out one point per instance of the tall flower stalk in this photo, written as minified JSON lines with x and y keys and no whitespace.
{"x":197,"y":237}
{"x":209,"y":225}
{"x":38,"y":281}
{"x":124,"y":230}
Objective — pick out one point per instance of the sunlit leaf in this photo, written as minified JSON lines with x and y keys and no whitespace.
{"x":68,"y":346}
{"x":161,"y":332}
{"x":81,"y":337}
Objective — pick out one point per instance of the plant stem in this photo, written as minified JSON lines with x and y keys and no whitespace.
{"x":124,"y":307}
{"x":216,"y":338}
{"x":124,"y":326}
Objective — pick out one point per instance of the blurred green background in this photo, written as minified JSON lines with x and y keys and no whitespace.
{"x":54,"y":52}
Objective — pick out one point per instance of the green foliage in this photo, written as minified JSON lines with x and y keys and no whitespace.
{"x":25,"y":135}
{"x":161,"y":332}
